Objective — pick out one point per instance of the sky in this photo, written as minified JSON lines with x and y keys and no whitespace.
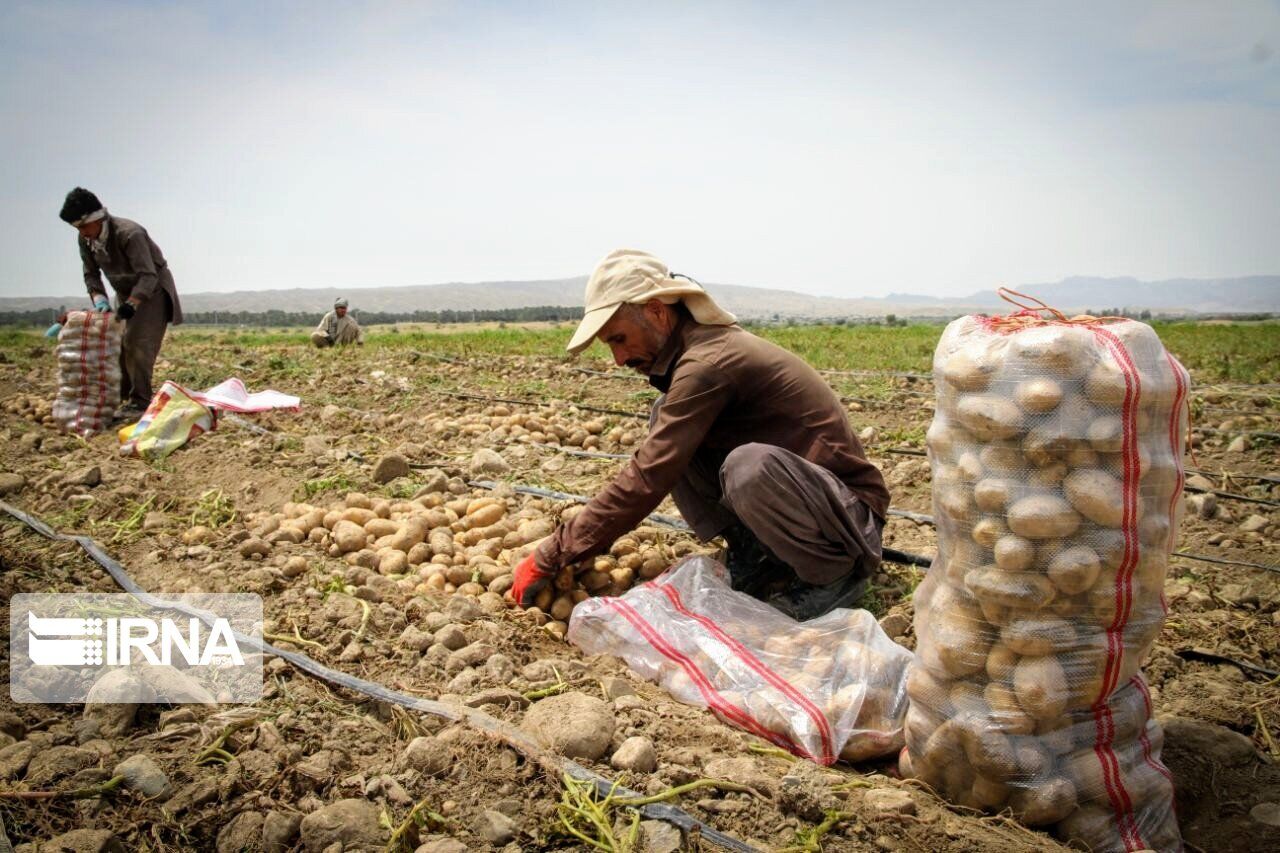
{"x":843,"y":149}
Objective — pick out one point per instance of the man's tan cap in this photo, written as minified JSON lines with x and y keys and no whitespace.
{"x":629,"y":275}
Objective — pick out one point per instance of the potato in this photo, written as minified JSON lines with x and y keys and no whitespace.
{"x":1075,"y":569}
{"x":357,"y":500}
{"x":1022,"y":590}
{"x":989,"y":794}
{"x":959,"y":643}
{"x":996,"y":614}
{"x":358,"y":515}
{"x":1106,"y":434}
{"x":1014,"y":554}
{"x":926,"y":688}
{"x":943,"y":438}
{"x":1090,"y":827}
{"x":1002,"y":458}
{"x":1036,"y":636}
{"x":1038,"y":395}
{"x":993,"y":494}
{"x":989,"y":417}
{"x":1041,"y":686}
{"x":989,"y":751}
{"x":1048,"y":476}
{"x":411,"y":533}
{"x":485,"y":515}
{"x":1006,"y":715}
{"x":1105,"y":385}
{"x":1062,"y":350}
{"x":955,"y":501}
{"x":969,"y":467}
{"x":1044,"y":803}
{"x":1096,"y":495}
{"x":379,"y":527}
{"x":392,"y":562}
{"x":349,"y":536}
{"x":1043,"y":517}
{"x":988,"y":531}
{"x":967,"y":373}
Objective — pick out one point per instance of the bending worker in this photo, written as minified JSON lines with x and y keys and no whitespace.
{"x":146,"y":296}
{"x":337,"y":328}
{"x":748,"y":439}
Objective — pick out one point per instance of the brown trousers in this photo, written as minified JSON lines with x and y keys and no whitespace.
{"x":140,"y":346}
{"x":798,"y":510}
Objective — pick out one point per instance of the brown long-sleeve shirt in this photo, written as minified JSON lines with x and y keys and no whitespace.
{"x":133,"y":263}
{"x":724,"y":388}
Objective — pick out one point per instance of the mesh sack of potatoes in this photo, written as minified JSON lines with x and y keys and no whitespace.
{"x":88,"y":355}
{"x":1056,"y":455}
{"x":827,"y":689}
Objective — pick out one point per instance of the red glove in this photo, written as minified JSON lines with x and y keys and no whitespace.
{"x":529,"y":581}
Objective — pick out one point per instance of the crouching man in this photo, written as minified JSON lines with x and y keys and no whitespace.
{"x":337,"y":328}
{"x":748,"y":439}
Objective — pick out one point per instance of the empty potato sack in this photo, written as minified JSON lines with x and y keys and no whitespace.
{"x":1053,"y":545}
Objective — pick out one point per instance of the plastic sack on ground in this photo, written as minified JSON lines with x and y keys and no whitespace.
{"x":832,"y":687}
{"x":1056,"y":453}
{"x":171,"y":420}
{"x":88,"y":354}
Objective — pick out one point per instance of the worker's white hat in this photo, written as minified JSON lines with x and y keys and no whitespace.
{"x":629,"y":275}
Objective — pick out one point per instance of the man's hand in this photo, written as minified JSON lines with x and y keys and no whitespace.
{"x":529,"y":581}
{"x":126,"y":309}
{"x":100,"y":303}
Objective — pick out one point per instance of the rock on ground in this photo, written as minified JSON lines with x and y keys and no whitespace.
{"x":658,"y":836}
{"x":496,"y":828}
{"x":349,"y":823}
{"x":58,"y":761}
{"x":888,"y":803}
{"x":279,"y":829}
{"x":1216,"y":743}
{"x":389,"y":467}
{"x":573,"y":724}
{"x":15,"y":758}
{"x":636,"y":754}
{"x":83,"y":841}
{"x":240,"y":833}
{"x":143,"y":775}
{"x":486,"y":461}
{"x":442,"y":844}
{"x":11,"y":483}
{"x":428,"y":755}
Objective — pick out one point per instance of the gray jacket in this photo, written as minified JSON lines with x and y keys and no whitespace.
{"x":133,"y":263}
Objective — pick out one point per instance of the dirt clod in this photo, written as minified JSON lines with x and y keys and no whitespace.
{"x":142,"y":774}
{"x":84,"y":841}
{"x":352,"y":824}
{"x":573,"y":724}
{"x":389,"y":467}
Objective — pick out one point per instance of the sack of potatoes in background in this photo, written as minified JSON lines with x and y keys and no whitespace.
{"x":1056,"y":455}
{"x":832,"y":688}
{"x":88,"y":354}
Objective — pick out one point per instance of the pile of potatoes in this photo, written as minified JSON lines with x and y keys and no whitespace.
{"x":773,"y":677}
{"x":35,"y":409}
{"x":1046,"y":596}
{"x":498,"y":424}
{"x":88,"y":355}
{"x":465,"y":544}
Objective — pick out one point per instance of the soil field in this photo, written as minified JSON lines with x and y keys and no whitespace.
{"x":420,"y":415}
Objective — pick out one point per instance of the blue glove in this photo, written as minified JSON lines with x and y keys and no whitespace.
{"x":52,"y":331}
{"x":101,"y":305}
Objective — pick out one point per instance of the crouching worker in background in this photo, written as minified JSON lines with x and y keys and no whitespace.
{"x":337,"y":328}
{"x":146,"y":296}
{"x":749,"y":440}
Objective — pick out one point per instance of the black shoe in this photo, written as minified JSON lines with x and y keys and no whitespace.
{"x":805,"y":601}
{"x":752,"y":568}
{"x":129,"y":412}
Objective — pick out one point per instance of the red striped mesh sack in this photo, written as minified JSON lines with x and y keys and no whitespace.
{"x":88,"y":372}
{"x":830,"y":688}
{"x":1056,"y":453}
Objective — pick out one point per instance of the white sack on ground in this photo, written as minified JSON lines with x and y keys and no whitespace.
{"x":832,"y":687}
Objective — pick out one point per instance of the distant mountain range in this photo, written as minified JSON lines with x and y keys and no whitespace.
{"x":1251,"y":294}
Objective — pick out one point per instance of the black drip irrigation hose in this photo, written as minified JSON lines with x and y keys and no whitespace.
{"x":475,"y":718}
{"x":893,"y":556}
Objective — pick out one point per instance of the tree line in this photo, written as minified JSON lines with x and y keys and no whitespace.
{"x":276,"y":317}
